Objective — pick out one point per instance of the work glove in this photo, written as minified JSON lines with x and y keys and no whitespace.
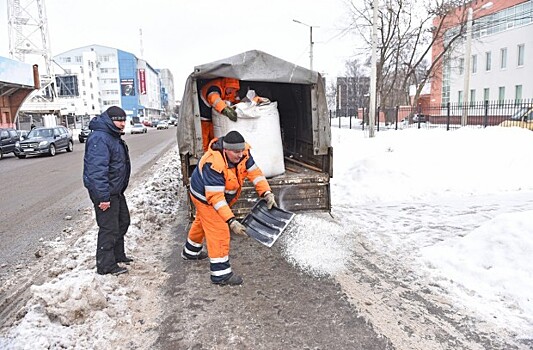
{"x":270,"y":199}
{"x":237,"y":228}
{"x":230,"y":113}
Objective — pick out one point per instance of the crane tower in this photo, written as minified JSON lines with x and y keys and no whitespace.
{"x":29,"y":41}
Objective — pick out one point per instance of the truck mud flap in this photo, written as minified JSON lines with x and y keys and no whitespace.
{"x":265,"y":225}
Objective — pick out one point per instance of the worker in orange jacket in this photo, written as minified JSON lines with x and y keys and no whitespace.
{"x":214,"y":94}
{"x":216,"y":184}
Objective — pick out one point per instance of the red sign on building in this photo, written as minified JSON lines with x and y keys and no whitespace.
{"x":142,"y":82}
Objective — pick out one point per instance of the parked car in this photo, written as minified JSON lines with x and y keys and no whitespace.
{"x":84,"y":134}
{"x":163,"y":124}
{"x":155,"y":122}
{"x":8,"y":141}
{"x":419,"y":118}
{"x":45,"y":140}
{"x":22,"y":134}
{"x":173,"y":121}
{"x":138,"y":128}
{"x":147,"y":123}
{"x":522,"y":118}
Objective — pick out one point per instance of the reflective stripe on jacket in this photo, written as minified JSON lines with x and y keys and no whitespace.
{"x":217,"y":91}
{"x":219,"y":184}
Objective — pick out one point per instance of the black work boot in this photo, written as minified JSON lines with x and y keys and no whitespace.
{"x":125,"y":260}
{"x":233,"y":280}
{"x":200,"y":256}
{"x":116,"y":270}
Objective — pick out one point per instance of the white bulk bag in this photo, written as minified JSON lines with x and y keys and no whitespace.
{"x":259,"y":125}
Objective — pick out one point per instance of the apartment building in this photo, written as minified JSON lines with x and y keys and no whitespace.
{"x":501,"y":54}
{"x":95,"y":77}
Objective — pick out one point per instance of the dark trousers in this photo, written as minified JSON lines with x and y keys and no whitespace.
{"x":113,"y":225}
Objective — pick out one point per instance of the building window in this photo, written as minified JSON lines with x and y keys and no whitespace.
{"x":501,"y":93}
{"x":518,"y":93}
{"x":472,"y":96}
{"x":488,"y":59}
{"x":461,"y":66}
{"x":474,"y":64}
{"x":460,"y":97}
{"x":521,"y":49}
{"x":78,"y":59}
{"x":486,"y":94}
{"x":503,"y":58}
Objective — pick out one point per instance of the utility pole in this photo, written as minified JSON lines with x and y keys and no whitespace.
{"x":141,"y":42}
{"x":467,"y":59}
{"x":310,"y":42}
{"x":373,"y":72}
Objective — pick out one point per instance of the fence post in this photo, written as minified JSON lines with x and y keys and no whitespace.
{"x":486,"y":116}
{"x":447,"y":116}
{"x":377,"y":117}
{"x":397,"y":111}
{"x":330,"y":117}
{"x":363,"y":125}
{"x":339,"y":121}
{"x":419,"y":112}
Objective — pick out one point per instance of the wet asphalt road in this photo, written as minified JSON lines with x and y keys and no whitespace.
{"x":38,"y":193}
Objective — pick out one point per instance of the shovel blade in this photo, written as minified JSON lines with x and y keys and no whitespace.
{"x":265,"y":225}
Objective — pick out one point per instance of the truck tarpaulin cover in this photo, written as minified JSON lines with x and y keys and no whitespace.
{"x":249,"y":66}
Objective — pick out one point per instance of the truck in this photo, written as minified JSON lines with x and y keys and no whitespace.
{"x":304,"y":127}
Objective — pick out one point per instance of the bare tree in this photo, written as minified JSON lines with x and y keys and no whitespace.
{"x":408,"y":31}
{"x":331,"y":95}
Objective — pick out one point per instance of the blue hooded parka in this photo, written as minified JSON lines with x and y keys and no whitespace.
{"x":106,"y":165}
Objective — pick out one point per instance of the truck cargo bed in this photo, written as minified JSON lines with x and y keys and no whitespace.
{"x":300,"y":188}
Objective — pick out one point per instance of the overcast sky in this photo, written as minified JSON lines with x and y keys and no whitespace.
{"x":181,"y":34}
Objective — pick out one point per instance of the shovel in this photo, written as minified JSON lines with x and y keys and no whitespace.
{"x":264,"y":225}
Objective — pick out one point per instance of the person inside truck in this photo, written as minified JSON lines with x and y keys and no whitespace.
{"x":216,"y":184}
{"x":218,"y":94}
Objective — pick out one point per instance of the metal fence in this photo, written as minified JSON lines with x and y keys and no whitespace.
{"x":449,"y":116}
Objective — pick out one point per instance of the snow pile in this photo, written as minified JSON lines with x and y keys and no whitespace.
{"x":477,"y":267}
{"x":77,"y":308}
{"x":454,"y":206}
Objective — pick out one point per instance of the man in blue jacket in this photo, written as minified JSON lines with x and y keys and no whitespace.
{"x":106,"y":174}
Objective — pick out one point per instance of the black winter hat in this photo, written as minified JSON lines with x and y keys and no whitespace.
{"x":116,"y":113}
{"x":233,"y":140}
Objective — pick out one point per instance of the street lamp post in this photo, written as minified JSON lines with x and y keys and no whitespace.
{"x":310,"y":42}
{"x":468,"y":57}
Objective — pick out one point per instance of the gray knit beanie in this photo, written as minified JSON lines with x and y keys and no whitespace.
{"x":233,"y":141}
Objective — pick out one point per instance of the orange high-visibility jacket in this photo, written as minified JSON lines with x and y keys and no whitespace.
{"x":217,"y":91}
{"x":217,"y":183}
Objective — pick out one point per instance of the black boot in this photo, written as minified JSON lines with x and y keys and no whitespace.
{"x":116,"y":270}
{"x":125,"y":260}
{"x":233,"y":280}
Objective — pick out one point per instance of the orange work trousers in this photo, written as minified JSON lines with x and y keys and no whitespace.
{"x":208,"y":133}
{"x":209,"y":225}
